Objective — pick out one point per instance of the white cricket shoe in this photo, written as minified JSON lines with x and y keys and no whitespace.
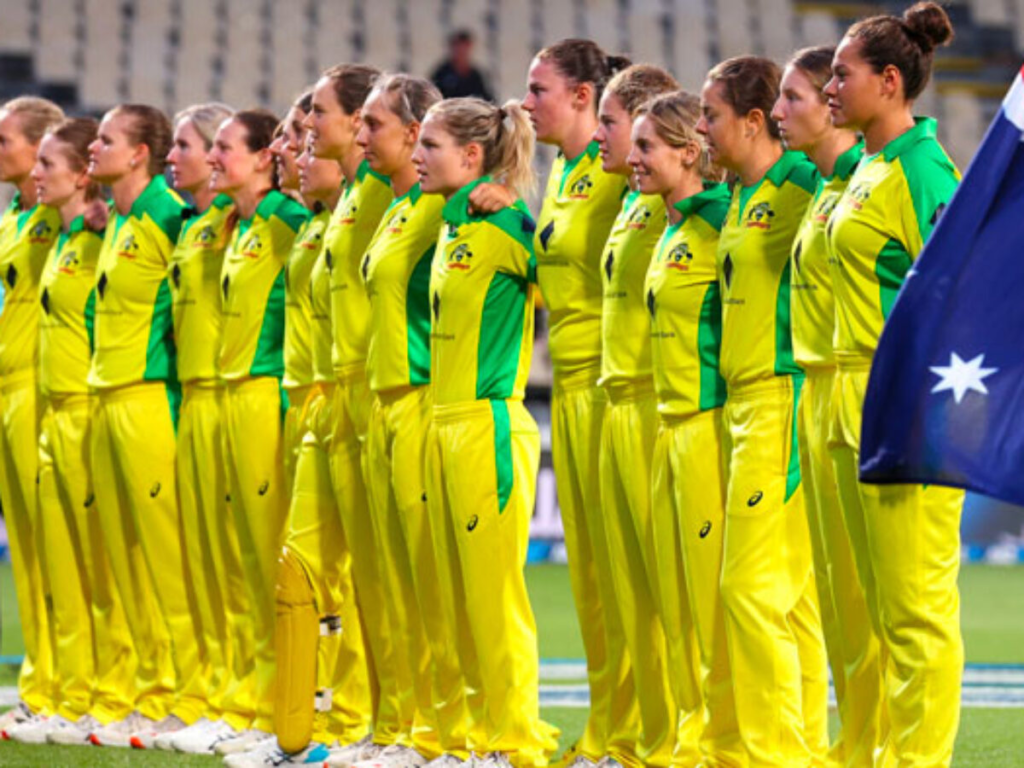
{"x":244,"y":741}
{"x":144,"y":738}
{"x":394,"y":756}
{"x":33,"y":730}
{"x":448,"y":761}
{"x":120,"y":732}
{"x":350,"y":754}
{"x":314,"y":754}
{"x":585,"y":762}
{"x":165,"y":741}
{"x":14,"y":716}
{"x":496,"y":760}
{"x":610,"y":762}
{"x":73,"y":734}
{"x":203,"y":742}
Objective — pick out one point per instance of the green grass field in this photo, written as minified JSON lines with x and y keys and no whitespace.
{"x":993,"y":626}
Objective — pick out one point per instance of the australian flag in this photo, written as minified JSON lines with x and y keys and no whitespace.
{"x":945,"y":401}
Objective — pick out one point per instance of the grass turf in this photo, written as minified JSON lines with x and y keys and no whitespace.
{"x":993,"y":604}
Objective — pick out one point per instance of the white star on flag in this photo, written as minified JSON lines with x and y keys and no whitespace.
{"x":962,"y":377}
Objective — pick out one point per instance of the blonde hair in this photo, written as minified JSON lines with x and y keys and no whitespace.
{"x":407,"y":96}
{"x":205,"y":118}
{"x":504,"y":133}
{"x":674,"y":117}
{"x":636,"y":84}
{"x":37,"y":116}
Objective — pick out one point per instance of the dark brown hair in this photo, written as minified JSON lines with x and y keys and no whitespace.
{"x":260,"y":127}
{"x":636,"y":84}
{"x":584,"y":61}
{"x":907,"y":43}
{"x":816,"y":64}
{"x":749,"y":83}
{"x":75,"y":136}
{"x":352,"y":84}
{"x":151,"y":127}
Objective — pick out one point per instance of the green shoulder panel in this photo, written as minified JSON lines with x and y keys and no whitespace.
{"x":517,"y":224}
{"x":161,"y":353}
{"x":501,"y":336}
{"x":269,"y":357}
{"x":714,"y":212}
{"x":417,"y":318}
{"x":165,"y":211}
{"x":932,"y":179}
{"x":292,"y":213}
{"x":804,"y":175}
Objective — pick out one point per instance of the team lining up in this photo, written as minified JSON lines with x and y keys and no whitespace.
{"x":266,"y":456}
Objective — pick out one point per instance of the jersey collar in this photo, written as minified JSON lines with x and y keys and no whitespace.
{"x":15,"y":204}
{"x":846,"y":163}
{"x":156,"y":187}
{"x":456,"y":210}
{"x":77,"y":225}
{"x":220,"y":202}
{"x":414,"y":194}
{"x":779,"y":172}
{"x":592,"y":151}
{"x":924,"y":128}
{"x":269,"y":204}
{"x":693,"y":204}
{"x":365,"y":170}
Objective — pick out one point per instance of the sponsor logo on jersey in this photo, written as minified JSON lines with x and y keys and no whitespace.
{"x":639,"y":218}
{"x":41,"y":233}
{"x":436,"y":306}
{"x":727,"y":269}
{"x":580,"y":189}
{"x":12,"y":276}
{"x":609,"y":264}
{"x":760,"y":216}
{"x":859,"y":194}
{"x":460,"y":258}
{"x":679,"y":258}
{"x":826,"y":205}
{"x":68,"y":263}
{"x":129,"y":248}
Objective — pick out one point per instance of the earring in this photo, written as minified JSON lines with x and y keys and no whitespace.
{"x":131,"y":163}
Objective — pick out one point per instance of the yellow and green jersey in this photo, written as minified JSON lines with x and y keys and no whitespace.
{"x":882,"y":221}
{"x":482,"y":303}
{"x":625,"y":331}
{"x":754,"y":271}
{"x":684,"y":303}
{"x":813,"y":302}
{"x":252,"y":289}
{"x":396,"y":272}
{"x":195,"y":289}
{"x":133,"y":338}
{"x":320,"y":317}
{"x":580,"y":205}
{"x":67,"y":301}
{"x":352,"y":226}
{"x":298,"y":307}
{"x":26,"y":238}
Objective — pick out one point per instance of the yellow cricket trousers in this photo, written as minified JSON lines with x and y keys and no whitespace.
{"x":19,"y":458}
{"x":627,"y":447}
{"x":688,"y":482}
{"x":93,"y":659}
{"x":316,"y":538}
{"x":294,"y":429}
{"x":425,"y":653}
{"x":767,"y":572}
{"x":906,"y":546}
{"x":133,"y":464}
{"x":259,"y":502}
{"x":214,"y":562}
{"x":577,"y":417}
{"x":853,"y":647}
{"x":482,"y":462}
{"x":351,"y":402}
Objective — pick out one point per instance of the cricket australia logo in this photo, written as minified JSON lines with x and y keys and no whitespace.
{"x":40,"y":233}
{"x":348,"y":216}
{"x":312,"y":242}
{"x":252,"y":247}
{"x":396,"y":222}
{"x":859,"y":194}
{"x":129,"y":248}
{"x":68,"y":263}
{"x":825,"y":207}
{"x":639,"y":218}
{"x":679,"y":258}
{"x":760,"y":216}
{"x":580,"y":189}
{"x":206,"y":238}
{"x":459,"y":258}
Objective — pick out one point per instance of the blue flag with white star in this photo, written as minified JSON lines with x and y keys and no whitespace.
{"x":945,"y":401}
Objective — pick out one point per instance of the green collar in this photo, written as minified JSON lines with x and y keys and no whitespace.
{"x":15,"y":204}
{"x":846,"y":163}
{"x":414,"y":194}
{"x":924,"y":128}
{"x":157,"y":186}
{"x":456,"y":210}
{"x":591,"y":152}
{"x":270,"y":203}
{"x":220,"y":202}
{"x":77,"y":225}
{"x":694,"y":203}
{"x":365,"y":170}
{"x":779,"y":172}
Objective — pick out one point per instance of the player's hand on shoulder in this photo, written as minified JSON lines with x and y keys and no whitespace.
{"x":490,"y":198}
{"x":97,"y":215}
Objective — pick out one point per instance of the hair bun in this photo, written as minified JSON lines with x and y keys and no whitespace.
{"x":928,"y":25}
{"x":616,"y":64}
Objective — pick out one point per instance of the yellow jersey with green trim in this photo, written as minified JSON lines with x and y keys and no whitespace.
{"x":195,"y":270}
{"x":396,"y":272}
{"x":352,"y":226}
{"x":482,"y":303}
{"x":67,"y":299}
{"x":26,"y":238}
{"x":880,"y":225}
{"x":580,"y":205}
{"x":252,"y":289}
{"x":754,"y":271}
{"x":684,"y":304}
{"x":134,"y":325}
{"x":813,"y":304}
{"x":625,"y":326}
{"x":298,"y":305}
{"x":320,"y":316}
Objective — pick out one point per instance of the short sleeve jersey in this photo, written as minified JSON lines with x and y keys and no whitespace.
{"x":298,"y":312}
{"x":754,"y":271}
{"x":625,"y":336}
{"x":684,"y":303}
{"x":66,"y":304}
{"x":580,"y":205}
{"x":252,"y":289}
{"x":352,"y":226}
{"x":482,"y":303}
{"x":880,"y":225}
{"x":134,"y":325}
{"x":396,"y":272}
{"x":195,"y":270}
{"x":813,"y":302}
{"x":26,"y":238}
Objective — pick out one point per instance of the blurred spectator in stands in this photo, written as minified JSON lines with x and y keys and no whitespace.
{"x":456,"y":76}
